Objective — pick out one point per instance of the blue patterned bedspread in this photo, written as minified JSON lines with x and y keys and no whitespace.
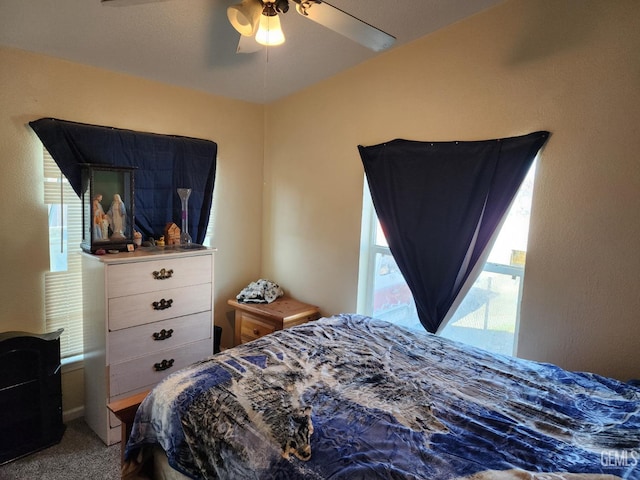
{"x":350,"y":397}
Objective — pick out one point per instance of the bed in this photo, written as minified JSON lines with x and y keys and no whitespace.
{"x":352,"y":397}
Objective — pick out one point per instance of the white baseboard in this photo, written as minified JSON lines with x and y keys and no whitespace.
{"x":72,"y":414}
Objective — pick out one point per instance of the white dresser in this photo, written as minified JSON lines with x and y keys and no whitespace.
{"x":147,"y":314}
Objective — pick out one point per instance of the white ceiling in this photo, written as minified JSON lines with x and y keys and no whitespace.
{"x":190,"y":43}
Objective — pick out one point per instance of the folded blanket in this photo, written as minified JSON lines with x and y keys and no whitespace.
{"x":261,"y":291}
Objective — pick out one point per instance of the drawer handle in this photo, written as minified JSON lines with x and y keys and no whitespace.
{"x":163,"y":334}
{"x":163,"y":274}
{"x":163,"y":365}
{"x":256,"y":331}
{"x":162,"y":304}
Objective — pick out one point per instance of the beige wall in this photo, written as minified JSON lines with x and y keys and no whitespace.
{"x":33,"y":86}
{"x":571,"y":67}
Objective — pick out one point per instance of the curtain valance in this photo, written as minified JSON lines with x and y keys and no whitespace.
{"x":163,"y":163}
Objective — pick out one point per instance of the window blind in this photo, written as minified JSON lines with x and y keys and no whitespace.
{"x":63,"y":282}
{"x":208,"y":239}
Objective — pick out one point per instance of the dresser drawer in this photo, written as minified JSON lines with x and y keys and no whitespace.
{"x":128,"y":343}
{"x":254,"y":327}
{"x":132,"y":278}
{"x":142,"y":371}
{"x":151,"y":307}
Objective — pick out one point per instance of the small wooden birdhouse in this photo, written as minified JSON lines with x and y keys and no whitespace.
{"x":172,"y":234}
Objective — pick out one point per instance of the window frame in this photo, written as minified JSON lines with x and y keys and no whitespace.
{"x":57,"y":187}
{"x":369,"y":249}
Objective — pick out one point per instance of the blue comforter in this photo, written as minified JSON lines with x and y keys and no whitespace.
{"x":350,"y":397}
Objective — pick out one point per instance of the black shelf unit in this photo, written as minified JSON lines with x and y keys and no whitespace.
{"x":30,"y":393}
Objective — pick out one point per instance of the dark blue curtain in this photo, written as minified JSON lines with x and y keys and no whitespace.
{"x":163,"y":163}
{"x":439,"y":204}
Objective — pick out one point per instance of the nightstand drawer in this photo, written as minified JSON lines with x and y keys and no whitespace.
{"x":150,"y":369}
{"x":254,"y":320}
{"x":128,"y":343}
{"x":253,"y":327}
{"x":130,"y":279}
{"x":151,"y":307}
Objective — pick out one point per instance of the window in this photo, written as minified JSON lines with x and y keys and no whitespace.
{"x":63,"y":281}
{"x":488,"y":316}
{"x":208,"y":239}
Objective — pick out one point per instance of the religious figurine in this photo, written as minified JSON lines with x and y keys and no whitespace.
{"x":105,"y":227}
{"x":117,"y":217}
{"x":100,"y":222}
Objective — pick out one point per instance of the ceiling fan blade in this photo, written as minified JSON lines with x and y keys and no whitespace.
{"x":248,"y":45}
{"x":126,"y":3}
{"x":346,"y":24}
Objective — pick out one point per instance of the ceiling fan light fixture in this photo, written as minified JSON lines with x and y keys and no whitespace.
{"x":244,"y":16}
{"x":269,"y":30}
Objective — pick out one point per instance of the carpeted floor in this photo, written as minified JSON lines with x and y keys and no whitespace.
{"x":80,"y":455}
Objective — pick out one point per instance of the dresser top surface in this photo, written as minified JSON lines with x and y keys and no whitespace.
{"x":150,"y":253}
{"x":283,"y":308}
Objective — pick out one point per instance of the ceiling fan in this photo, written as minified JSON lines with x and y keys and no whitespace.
{"x":258,"y":23}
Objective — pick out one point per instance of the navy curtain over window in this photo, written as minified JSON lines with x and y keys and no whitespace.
{"x":439,"y":204}
{"x":163,"y":163}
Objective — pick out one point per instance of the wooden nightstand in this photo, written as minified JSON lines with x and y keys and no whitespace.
{"x":254,"y":320}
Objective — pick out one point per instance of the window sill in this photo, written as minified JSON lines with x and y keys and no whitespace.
{"x":70,"y":364}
